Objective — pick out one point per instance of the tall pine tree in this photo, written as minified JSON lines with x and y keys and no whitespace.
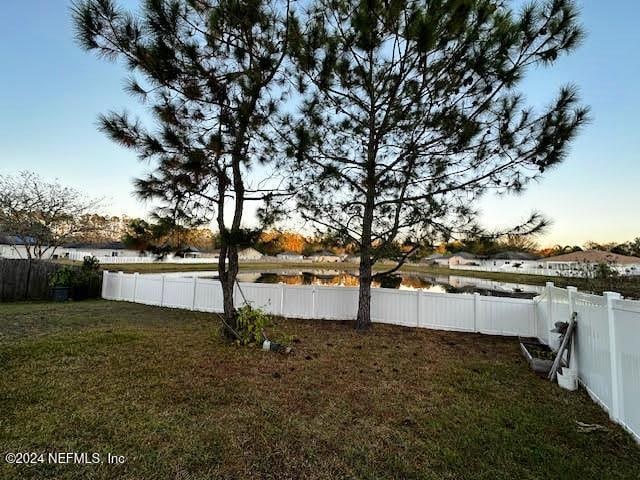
{"x":211,"y":72}
{"x":411,"y":112}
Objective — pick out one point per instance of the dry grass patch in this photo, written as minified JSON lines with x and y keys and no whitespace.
{"x":158,"y":386}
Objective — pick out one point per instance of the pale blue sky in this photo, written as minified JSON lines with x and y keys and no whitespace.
{"x":51,"y":93}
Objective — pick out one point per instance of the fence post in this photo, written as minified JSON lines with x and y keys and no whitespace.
{"x":120,"y":278}
{"x":313,"y":301}
{"x":548,"y":287}
{"x":571,"y":293}
{"x":162,"y":291}
{"x":195,"y":289}
{"x":282,"y":299}
{"x":476,"y":310}
{"x":614,"y":411}
{"x":419,"y":291}
{"x":105,"y":276}
{"x":135,"y":285}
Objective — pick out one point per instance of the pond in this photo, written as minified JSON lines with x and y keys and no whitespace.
{"x":403,"y":281}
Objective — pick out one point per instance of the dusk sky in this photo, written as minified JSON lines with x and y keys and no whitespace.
{"x":52,"y":93}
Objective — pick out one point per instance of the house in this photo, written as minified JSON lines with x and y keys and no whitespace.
{"x":325,"y":256}
{"x":188,"y":252}
{"x":355,"y":258}
{"x":513,"y":259}
{"x":77,"y":251}
{"x":13,"y":246}
{"x":289,"y":256}
{"x":463,"y":258}
{"x":589,"y":259}
{"x":437,"y":259}
{"x":249,"y":254}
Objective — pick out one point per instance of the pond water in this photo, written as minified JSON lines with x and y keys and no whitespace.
{"x":403,"y":281}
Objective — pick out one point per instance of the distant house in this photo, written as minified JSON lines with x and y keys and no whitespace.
{"x":77,"y":251}
{"x":12,"y":246}
{"x":188,"y":252}
{"x":290,"y":256}
{"x":463,"y":258}
{"x":515,"y":259}
{"x":437,"y":259}
{"x":352,"y":258}
{"x":213,"y":255}
{"x":249,"y":254}
{"x":590,"y":258}
{"x":325,"y":256}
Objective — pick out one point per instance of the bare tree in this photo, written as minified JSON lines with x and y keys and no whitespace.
{"x":44,"y":215}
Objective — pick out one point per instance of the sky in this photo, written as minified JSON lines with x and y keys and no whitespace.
{"x":51,"y":93}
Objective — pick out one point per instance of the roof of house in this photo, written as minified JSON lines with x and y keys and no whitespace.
{"x":188,"y":249}
{"x":513,"y":255}
{"x":248,"y":249}
{"x":6,"y":239}
{"x":594,"y":256}
{"x":290,"y":253}
{"x":437,"y":256}
{"x":100,"y":245}
{"x":464,"y":255}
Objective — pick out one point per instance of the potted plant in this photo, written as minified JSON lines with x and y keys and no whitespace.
{"x":61,"y":282}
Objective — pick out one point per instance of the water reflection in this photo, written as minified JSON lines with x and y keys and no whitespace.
{"x":414,"y":281}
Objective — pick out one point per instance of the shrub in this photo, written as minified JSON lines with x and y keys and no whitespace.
{"x":90,"y":263}
{"x":254,"y":325}
{"x":251,"y":323}
{"x":84,"y":282}
{"x":63,"y":277}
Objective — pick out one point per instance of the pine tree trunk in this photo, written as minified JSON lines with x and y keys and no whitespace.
{"x":363,"y":320}
{"x":228,"y":271}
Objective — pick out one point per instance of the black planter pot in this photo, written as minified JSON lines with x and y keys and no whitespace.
{"x":60,"y":294}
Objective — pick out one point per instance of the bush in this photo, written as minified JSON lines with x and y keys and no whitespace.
{"x":83,"y":282}
{"x":250,"y":324}
{"x":64,"y":277}
{"x":254,"y":326}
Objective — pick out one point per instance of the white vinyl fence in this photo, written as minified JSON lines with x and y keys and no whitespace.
{"x":607,"y":347}
{"x":607,"y":350}
{"x":412,"y":308}
{"x":108,"y":260}
{"x":546,"y":271}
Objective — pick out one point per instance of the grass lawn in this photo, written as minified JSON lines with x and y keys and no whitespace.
{"x":159,"y":387}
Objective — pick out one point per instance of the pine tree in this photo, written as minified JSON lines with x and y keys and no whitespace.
{"x":212,"y":73}
{"x":411,"y":113}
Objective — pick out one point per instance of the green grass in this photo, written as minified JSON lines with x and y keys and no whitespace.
{"x":159,"y":387}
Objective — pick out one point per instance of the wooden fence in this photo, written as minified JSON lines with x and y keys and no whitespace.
{"x":21,"y":279}
{"x":24,"y":279}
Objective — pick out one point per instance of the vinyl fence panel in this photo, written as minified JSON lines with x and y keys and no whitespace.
{"x":208,"y":296}
{"x":592,"y":346}
{"x":627,"y":340}
{"x":505,"y":316}
{"x":336,"y":303}
{"x":260,"y":295}
{"x":607,"y":347}
{"x":297,"y":301}
{"x":444,"y":311}
{"x":399,"y":307}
